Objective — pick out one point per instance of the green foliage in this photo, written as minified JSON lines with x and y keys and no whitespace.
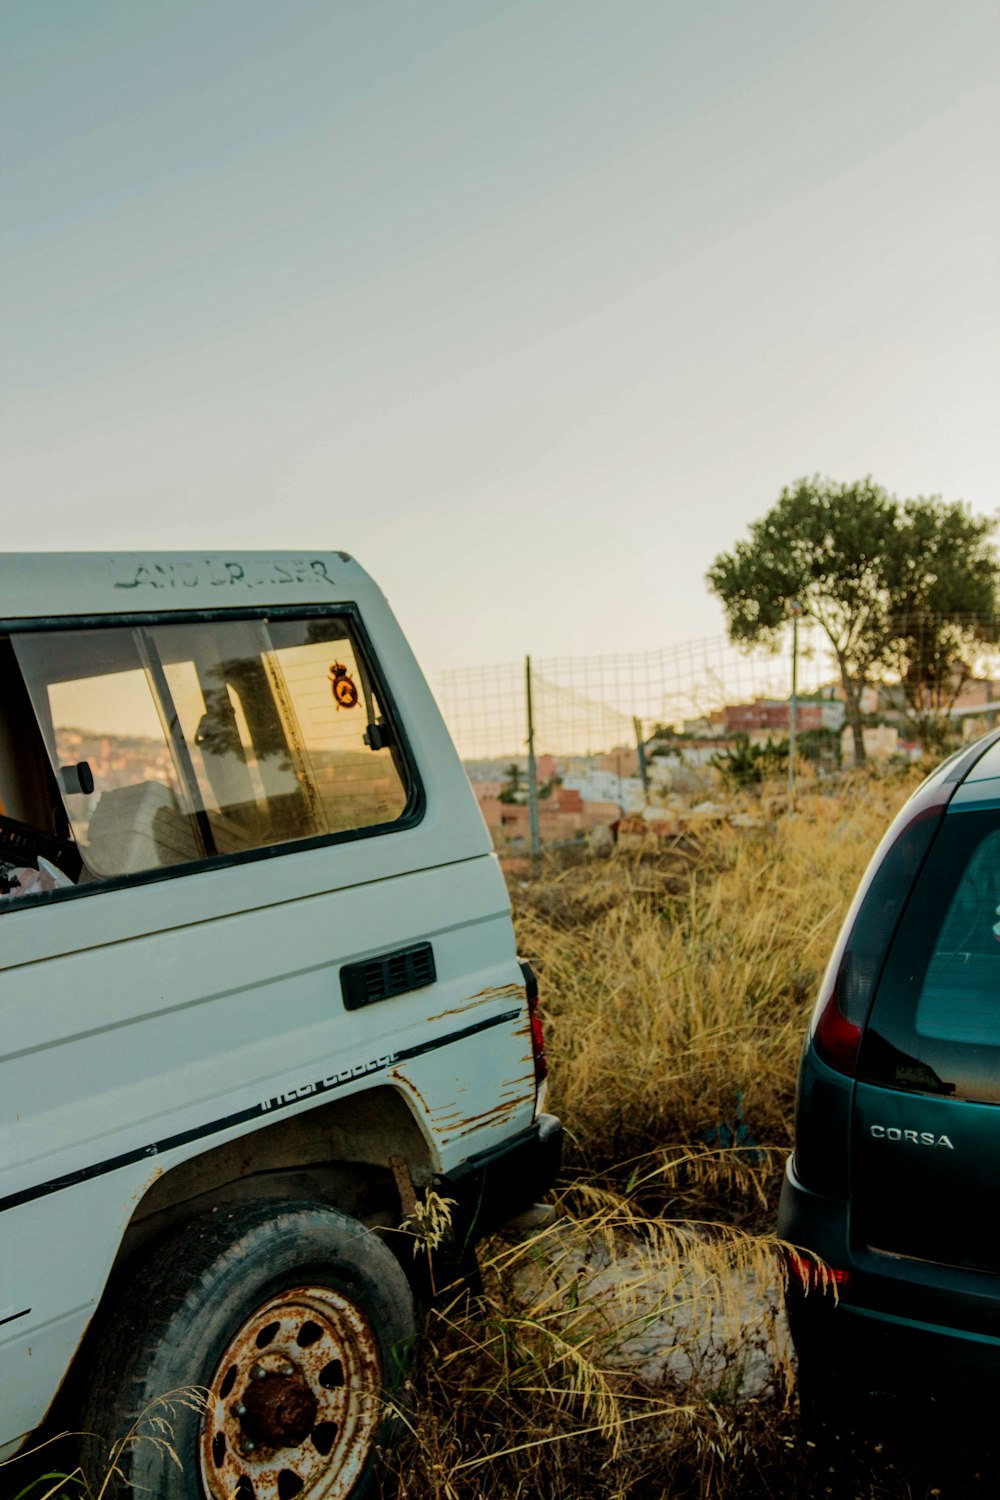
{"x":50,"y":1487}
{"x":746,"y":766}
{"x":905,"y":587}
{"x":944,"y":592}
{"x":821,"y":745}
{"x":512,"y":788}
{"x":824,"y":545}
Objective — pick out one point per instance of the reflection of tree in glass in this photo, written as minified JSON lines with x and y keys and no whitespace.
{"x":247,"y":757}
{"x":324,"y":633}
{"x":218,"y":731}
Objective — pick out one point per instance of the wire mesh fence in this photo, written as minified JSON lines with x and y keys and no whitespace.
{"x":585,"y":705}
{"x":612,"y":745}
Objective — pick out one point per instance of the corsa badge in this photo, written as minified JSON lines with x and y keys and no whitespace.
{"x":913,"y":1137}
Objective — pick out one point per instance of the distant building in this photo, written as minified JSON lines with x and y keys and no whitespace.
{"x":880,"y":742}
{"x":596,"y":785}
{"x":978,"y":692}
{"x":685,"y":752}
{"x":562,"y":799}
{"x":706,"y":726}
{"x":773,"y":716}
{"x":486,"y":789}
{"x":622,"y":761}
{"x":562,"y":818}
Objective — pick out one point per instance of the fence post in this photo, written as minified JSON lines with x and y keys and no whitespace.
{"x":795,"y":609}
{"x":536,"y":845}
{"x":641,"y":751}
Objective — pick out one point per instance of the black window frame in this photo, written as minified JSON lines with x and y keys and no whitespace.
{"x":416,"y":799}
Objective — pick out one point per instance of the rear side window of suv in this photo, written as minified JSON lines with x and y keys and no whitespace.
{"x":935,"y":1024}
{"x":173,"y":743}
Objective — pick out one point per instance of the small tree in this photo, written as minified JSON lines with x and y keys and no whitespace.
{"x":746,"y":767}
{"x":944,"y":598}
{"x":862,"y":567}
{"x":512,"y":785}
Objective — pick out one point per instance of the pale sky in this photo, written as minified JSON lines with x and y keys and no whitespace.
{"x":533,"y":306}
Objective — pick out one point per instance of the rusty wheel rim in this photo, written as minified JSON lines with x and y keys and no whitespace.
{"x":294,"y":1402}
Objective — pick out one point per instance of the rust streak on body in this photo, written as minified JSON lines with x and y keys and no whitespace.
{"x":408,"y":1083}
{"x":475,"y":1122}
{"x":444,"y":1117}
{"x":495,"y":992}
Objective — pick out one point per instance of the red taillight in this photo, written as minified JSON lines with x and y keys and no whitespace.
{"x":810,"y":1274}
{"x":537,"y":1040}
{"x":535,"y":1021}
{"x":837,"y":1039}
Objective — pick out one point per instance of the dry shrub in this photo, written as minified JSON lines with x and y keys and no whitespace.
{"x":608,"y":1350}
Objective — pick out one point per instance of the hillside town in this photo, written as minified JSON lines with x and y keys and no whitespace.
{"x":669,"y":782}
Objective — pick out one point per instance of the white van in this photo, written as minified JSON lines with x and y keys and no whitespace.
{"x":258,"y":994}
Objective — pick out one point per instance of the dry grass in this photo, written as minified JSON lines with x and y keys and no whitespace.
{"x":605,"y":1347}
{"x":153,"y":1426}
{"x":676,"y":988}
{"x":635,"y":1347}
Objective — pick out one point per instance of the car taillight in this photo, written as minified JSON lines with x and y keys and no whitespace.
{"x":849,"y":985}
{"x":837,"y":1040}
{"x":535,"y":1021}
{"x":811,"y":1274}
{"x":537,"y":1041}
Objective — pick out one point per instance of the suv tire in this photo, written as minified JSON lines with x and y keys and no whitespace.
{"x":251,"y":1356}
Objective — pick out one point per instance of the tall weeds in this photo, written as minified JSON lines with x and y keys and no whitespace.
{"x":604,"y":1347}
{"x":635,"y":1347}
{"x":154,"y":1426}
{"x":676,"y":989}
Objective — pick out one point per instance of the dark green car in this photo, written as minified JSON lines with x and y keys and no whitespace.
{"x":895,"y":1178}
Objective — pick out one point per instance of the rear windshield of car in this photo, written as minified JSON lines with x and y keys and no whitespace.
{"x":935,"y":1024}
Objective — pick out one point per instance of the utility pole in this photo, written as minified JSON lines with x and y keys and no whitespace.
{"x":536,"y":843}
{"x":795,"y":610}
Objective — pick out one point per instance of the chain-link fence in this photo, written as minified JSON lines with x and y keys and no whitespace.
{"x":587,"y":705}
{"x":558,"y":747}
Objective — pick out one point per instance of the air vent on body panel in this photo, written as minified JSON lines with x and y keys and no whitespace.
{"x":389,"y":974}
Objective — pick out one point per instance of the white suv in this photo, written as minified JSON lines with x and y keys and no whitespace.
{"x":258,"y":993}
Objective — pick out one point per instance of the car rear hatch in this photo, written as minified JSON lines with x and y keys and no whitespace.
{"x":925,"y":1153}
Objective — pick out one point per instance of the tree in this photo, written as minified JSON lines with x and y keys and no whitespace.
{"x":944,"y":591}
{"x":863,"y":567}
{"x":513,"y":783}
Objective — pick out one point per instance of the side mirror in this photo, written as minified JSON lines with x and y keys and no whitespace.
{"x":78,"y":778}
